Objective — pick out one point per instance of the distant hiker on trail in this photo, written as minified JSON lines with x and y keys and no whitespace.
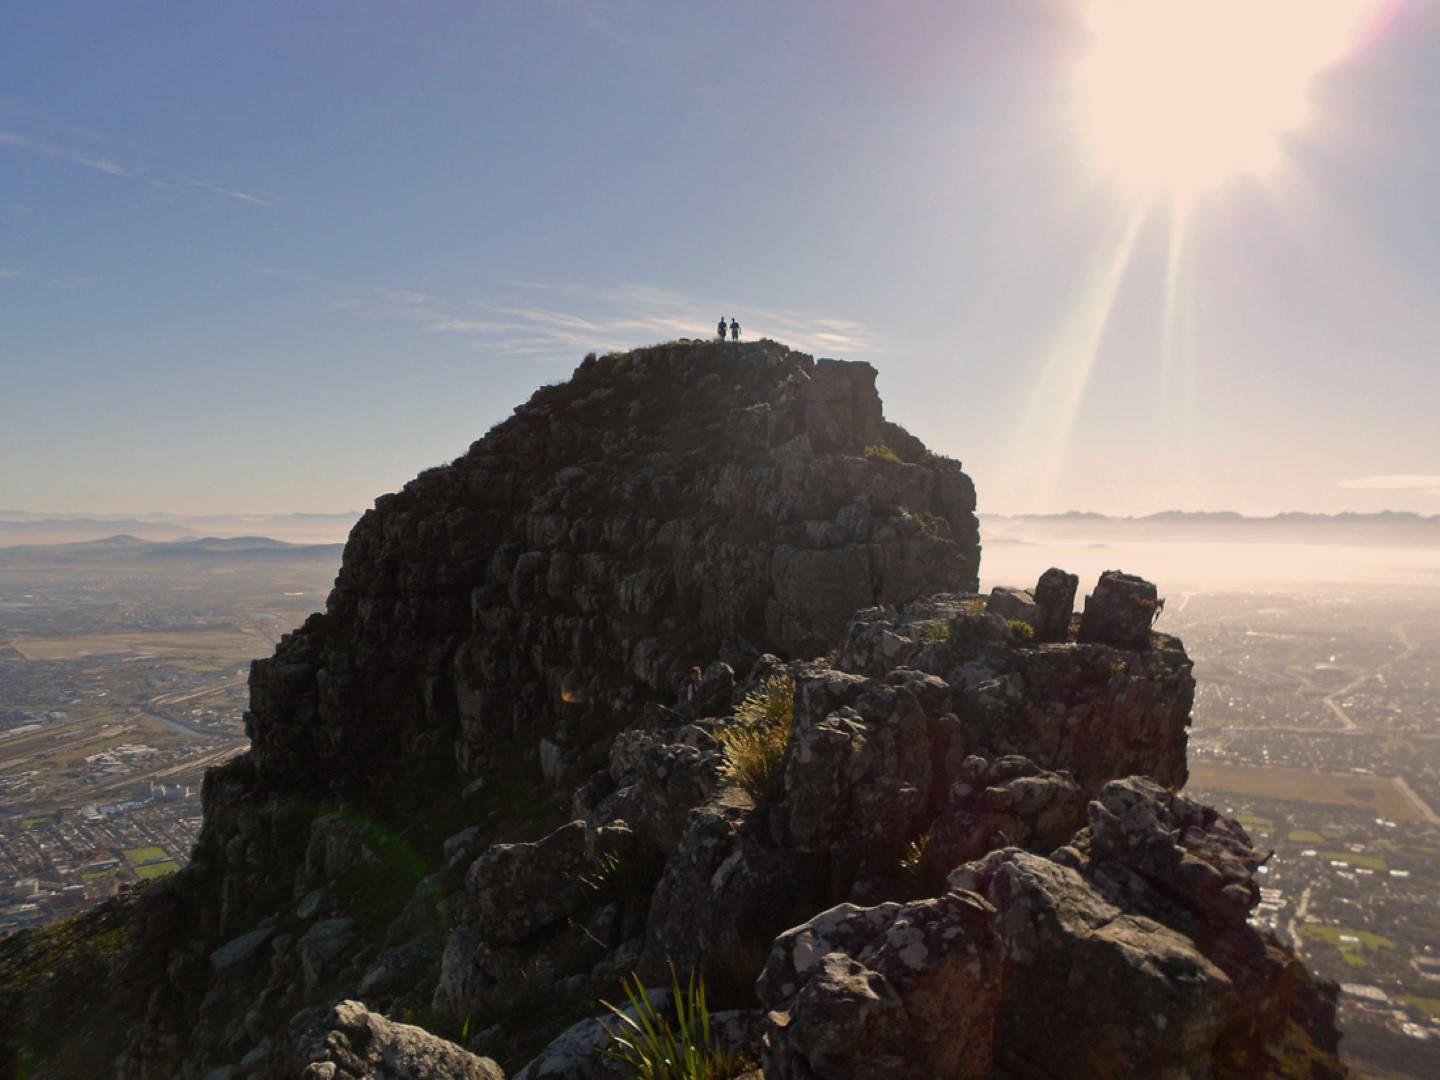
{"x":690,"y":687}
{"x":734,"y":331}
{"x":720,"y":328}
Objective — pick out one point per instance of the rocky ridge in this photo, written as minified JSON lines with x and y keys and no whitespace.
{"x":474,"y":800}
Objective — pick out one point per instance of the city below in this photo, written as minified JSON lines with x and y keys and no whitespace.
{"x":1316,"y":724}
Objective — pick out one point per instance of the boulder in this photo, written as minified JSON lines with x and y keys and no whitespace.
{"x":325,"y":948}
{"x":1120,"y":611}
{"x":898,"y":990}
{"x":556,"y":876}
{"x":1054,"y":604}
{"x":1086,"y":986}
{"x":358,"y":1044}
{"x":1011,"y":603}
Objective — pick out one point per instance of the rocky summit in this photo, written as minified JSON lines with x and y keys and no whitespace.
{"x":682,"y":671}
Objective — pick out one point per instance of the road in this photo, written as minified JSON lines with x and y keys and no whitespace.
{"x":1348,"y":725}
{"x":1292,"y":927}
{"x":1360,"y":680}
{"x":184,"y":727}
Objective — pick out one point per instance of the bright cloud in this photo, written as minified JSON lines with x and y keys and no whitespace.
{"x":604,"y":320}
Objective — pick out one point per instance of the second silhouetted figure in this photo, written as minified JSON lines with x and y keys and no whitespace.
{"x":734,"y":331}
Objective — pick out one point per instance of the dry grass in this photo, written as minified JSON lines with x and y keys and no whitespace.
{"x":1376,"y":793}
{"x":211,"y":644}
{"x":755,"y":743}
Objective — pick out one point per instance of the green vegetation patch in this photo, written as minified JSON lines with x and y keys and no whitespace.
{"x":62,"y":1012}
{"x":933,"y":632}
{"x":1428,"y":1005}
{"x":1298,"y":1058}
{"x":1353,"y":944}
{"x":1305,"y":836}
{"x":154,"y":870}
{"x":139,"y":856}
{"x":1372,"y":862}
{"x":881,"y":452}
{"x":932,"y":526}
{"x":1254,"y":823}
{"x":1020,"y":630}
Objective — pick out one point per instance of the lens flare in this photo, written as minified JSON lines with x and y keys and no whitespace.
{"x":1184,"y":94}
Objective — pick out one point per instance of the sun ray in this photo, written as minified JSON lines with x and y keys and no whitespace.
{"x":1059,"y":386}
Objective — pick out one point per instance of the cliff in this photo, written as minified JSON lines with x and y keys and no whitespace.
{"x":477,"y":795}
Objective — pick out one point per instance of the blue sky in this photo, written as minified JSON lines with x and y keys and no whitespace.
{"x":277,"y":257}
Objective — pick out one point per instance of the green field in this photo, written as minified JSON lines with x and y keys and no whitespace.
{"x":1254,"y":823}
{"x":1305,"y":836}
{"x":1427,"y":1005}
{"x":1371,"y":862}
{"x":1353,"y":951}
{"x":1374,"y":793}
{"x":139,"y":856}
{"x":154,"y":870}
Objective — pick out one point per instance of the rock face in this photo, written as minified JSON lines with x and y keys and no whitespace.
{"x":486,"y":784}
{"x":1055,"y":602}
{"x":1120,"y":611}
{"x":661,"y":503}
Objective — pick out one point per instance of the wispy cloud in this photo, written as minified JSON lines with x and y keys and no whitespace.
{"x":583,"y":318}
{"x":257,"y":200}
{"x":17,"y":273}
{"x":1428,"y":483}
{"x":104,"y":164}
{"x":49,"y":149}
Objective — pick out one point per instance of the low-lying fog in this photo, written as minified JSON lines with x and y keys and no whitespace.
{"x":1010,"y":556}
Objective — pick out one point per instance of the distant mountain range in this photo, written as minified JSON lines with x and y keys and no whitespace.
{"x":25,"y":527}
{"x":124,"y":550}
{"x":1387,"y":527}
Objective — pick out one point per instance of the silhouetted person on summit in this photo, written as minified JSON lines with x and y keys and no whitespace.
{"x":720,"y":328}
{"x":734,"y":331}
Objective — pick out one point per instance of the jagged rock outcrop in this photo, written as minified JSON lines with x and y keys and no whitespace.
{"x":660,"y":504}
{"x":487,"y":783}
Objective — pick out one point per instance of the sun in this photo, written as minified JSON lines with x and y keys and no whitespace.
{"x":1182,"y":95}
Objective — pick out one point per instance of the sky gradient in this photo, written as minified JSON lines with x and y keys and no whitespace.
{"x":280,"y":257}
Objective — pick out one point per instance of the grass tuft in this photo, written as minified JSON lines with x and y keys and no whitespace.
{"x":1020,"y":630}
{"x":934,"y":632}
{"x":881,"y":452}
{"x":650,"y":1047}
{"x":755,"y":744}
